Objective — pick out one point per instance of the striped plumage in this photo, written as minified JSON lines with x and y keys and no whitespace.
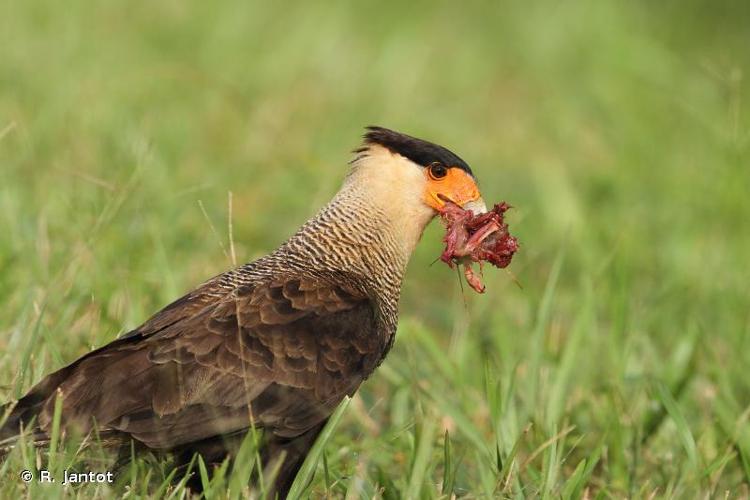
{"x":277,"y":342}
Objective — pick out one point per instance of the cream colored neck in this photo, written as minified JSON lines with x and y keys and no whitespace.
{"x":373,"y":223}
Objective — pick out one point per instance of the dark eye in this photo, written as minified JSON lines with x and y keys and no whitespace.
{"x":437,"y":170}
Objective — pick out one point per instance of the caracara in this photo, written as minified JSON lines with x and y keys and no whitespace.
{"x":278,"y":342}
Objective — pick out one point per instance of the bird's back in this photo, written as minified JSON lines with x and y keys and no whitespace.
{"x":280,"y":352}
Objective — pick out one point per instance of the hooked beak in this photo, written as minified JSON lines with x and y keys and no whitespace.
{"x":458,"y":187}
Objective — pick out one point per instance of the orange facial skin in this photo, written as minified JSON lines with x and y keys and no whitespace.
{"x":457,"y":185}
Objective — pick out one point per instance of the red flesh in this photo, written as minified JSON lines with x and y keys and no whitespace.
{"x":477,"y":238}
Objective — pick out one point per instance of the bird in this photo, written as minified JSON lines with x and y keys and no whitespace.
{"x":275,"y":344}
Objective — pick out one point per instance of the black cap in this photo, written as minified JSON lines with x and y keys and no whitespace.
{"x":419,"y":151}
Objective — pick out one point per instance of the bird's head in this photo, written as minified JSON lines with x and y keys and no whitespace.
{"x":396,"y":185}
{"x":414,"y":176}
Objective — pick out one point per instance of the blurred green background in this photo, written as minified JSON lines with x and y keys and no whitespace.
{"x":618,"y":130}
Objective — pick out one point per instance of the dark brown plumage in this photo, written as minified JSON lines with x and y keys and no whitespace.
{"x":276,"y":343}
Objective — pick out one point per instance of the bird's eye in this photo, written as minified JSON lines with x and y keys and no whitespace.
{"x":437,"y":170}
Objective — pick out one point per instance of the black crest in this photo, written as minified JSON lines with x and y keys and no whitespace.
{"x":419,"y":151}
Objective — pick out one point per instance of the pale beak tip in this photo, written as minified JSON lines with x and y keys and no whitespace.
{"x":477,"y":206}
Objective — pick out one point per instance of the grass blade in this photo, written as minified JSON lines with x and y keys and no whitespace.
{"x":55,"y":434}
{"x":683,"y":431}
{"x":421,"y":458}
{"x":302,"y":481}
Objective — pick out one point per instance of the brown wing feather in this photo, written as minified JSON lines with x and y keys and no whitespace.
{"x":280,"y":354}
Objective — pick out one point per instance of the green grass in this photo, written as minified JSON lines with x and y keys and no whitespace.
{"x":620,"y":131}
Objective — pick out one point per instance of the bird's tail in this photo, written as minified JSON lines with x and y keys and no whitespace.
{"x":24,"y":416}
{"x":20,"y":418}
{"x":18,"y":421}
